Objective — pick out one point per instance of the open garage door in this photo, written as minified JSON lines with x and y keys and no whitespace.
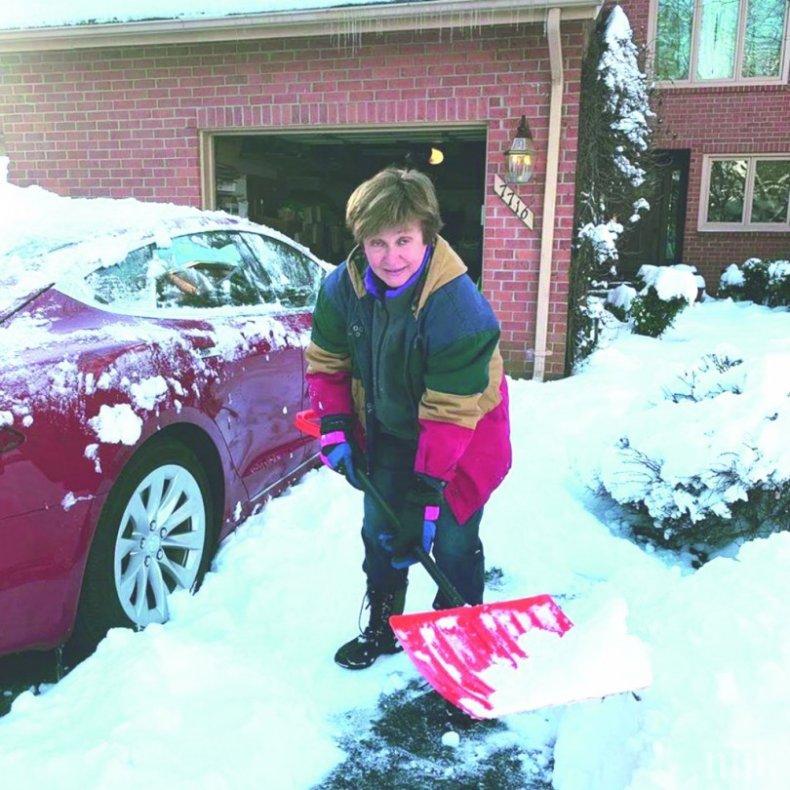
{"x":299,"y":182}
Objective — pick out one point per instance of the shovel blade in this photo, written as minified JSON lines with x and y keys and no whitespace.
{"x":469,"y":654}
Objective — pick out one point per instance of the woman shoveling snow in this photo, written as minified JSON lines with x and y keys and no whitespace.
{"x":405,"y":359}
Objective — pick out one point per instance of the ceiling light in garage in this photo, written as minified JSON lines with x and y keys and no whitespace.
{"x":436,"y":157}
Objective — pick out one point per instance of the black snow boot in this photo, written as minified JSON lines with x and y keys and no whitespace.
{"x":377,"y":639}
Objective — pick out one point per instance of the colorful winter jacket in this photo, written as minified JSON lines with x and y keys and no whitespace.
{"x":453,"y":365}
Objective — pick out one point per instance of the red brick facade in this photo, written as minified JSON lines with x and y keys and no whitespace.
{"x":125,"y":122}
{"x":712,"y":120}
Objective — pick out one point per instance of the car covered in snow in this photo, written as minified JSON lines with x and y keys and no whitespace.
{"x":151,"y":364}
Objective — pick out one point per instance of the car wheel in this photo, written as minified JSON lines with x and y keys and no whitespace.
{"x":156,"y":534}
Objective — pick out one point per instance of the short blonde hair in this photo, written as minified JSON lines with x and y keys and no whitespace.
{"x":392,"y":198}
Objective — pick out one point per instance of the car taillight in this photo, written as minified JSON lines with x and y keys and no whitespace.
{"x":10,"y":439}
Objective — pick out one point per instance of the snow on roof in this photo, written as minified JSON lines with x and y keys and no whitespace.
{"x":20,"y":15}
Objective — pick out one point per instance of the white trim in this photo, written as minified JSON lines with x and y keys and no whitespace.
{"x":207,"y":135}
{"x":554,"y":38}
{"x":345,"y":22}
{"x":208,"y":188}
{"x":696,"y":21}
{"x":695,"y":82}
{"x":745,"y":226}
{"x":740,"y":40}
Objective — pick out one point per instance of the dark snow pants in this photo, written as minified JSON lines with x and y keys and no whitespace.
{"x":457,"y":548}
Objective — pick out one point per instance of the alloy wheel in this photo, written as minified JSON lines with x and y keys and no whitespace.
{"x":160,"y":543}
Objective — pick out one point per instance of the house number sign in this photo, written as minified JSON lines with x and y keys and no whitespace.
{"x":513,"y":201}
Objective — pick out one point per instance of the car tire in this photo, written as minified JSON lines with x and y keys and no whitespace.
{"x":134,"y":564}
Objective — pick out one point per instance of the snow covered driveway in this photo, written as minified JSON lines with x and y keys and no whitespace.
{"x":239,"y":689}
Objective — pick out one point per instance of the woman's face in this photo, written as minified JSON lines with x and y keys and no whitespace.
{"x":395,"y":254}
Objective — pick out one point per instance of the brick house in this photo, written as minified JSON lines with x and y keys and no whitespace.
{"x":723,"y":111}
{"x":279,"y":115}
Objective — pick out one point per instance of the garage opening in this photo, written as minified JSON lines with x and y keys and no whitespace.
{"x":298,"y":183}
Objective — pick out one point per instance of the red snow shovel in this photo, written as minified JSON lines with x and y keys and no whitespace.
{"x":474,"y":656}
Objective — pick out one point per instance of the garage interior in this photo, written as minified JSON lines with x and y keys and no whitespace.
{"x":298,"y":183}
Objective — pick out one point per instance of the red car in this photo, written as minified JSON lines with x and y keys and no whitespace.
{"x":147,"y":398}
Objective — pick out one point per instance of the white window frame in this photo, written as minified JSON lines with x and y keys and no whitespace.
{"x":746,"y":224}
{"x":695,"y":82}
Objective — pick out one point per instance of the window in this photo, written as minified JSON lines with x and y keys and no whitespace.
{"x":295,"y":279}
{"x":706,"y":41}
{"x":201,"y":270}
{"x":211,"y":269}
{"x":125,"y":282}
{"x":745,"y":193}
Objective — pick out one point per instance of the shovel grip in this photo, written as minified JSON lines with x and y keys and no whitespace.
{"x":452,"y":595}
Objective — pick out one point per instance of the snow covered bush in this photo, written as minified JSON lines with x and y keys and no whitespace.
{"x":713,"y":374}
{"x":710,"y":462}
{"x":731,"y":282}
{"x":613,"y":175}
{"x":755,"y":280}
{"x":653,"y":315}
{"x":664,"y":292}
{"x":779,"y":284}
{"x":759,"y":281}
{"x":619,"y":301}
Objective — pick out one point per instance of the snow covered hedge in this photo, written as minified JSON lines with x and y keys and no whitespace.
{"x":663,"y":292}
{"x":613,"y":177}
{"x":759,"y":281}
{"x":710,"y":462}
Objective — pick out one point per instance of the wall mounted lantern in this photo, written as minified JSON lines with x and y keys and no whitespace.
{"x":520,"y":157}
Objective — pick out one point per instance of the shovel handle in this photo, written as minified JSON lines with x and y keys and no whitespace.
{"x":435,"y":572}
{"x":306,"y":422}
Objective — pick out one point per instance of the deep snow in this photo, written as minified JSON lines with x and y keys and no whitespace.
{"x":240,"y":689}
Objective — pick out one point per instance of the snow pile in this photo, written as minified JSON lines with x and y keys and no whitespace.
{"x":717,"y":714}
{"x":46,"y":238}
{"x":670,"y":282}
{"x":117,"y":424}
{"x":244,"y":673}
{"x":590,"y":661}
{"x":148,"y":392}
{"x":22,"y":15}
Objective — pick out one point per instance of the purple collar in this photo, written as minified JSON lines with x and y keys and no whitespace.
{"x":378,"y":289}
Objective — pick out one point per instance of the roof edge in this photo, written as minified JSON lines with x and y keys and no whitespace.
{"x":346,"y":21}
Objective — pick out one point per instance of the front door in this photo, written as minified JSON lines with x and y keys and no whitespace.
{"x":658,"y":237}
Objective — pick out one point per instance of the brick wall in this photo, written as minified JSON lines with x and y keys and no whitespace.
{"x":125,"y":122}
{"x":711,"y":120}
